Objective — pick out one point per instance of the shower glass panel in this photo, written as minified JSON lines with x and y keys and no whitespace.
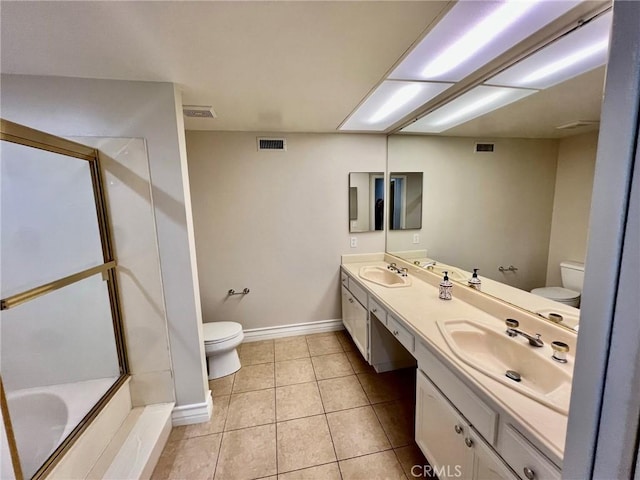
{"x":49,"y":223}
{"x":59,"y":358}
{"x":62,"y":349}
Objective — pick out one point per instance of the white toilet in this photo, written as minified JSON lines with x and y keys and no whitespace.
{"x":572,"y":274}
{"x":220,"y":342}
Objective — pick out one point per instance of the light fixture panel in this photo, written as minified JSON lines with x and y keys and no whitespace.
{"x":389,"y":103}
{"x":476,"y":102}
{"x":576,"y":53}
{"x":473,"y":33}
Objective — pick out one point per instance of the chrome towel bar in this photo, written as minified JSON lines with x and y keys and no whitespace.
{"x":233,"y":292}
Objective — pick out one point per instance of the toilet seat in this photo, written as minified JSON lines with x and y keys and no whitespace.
{"x":559,"y":294}
{"x":218,"y":332}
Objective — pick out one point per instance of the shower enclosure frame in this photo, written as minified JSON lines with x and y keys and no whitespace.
{"x":19,"y":134}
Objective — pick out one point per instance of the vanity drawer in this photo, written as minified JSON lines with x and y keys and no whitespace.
{"x":358,"y":292}
{"x":344,"y":278}
{"x":480,"y":415}
{"x":404,"y":336}
{"x":377,"y":310}
{"x":523,"y":457}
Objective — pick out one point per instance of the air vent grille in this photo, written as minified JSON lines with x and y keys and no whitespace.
{"x":198,"y":111}
{"x":485,"y":147}
{"x":272,"y":143}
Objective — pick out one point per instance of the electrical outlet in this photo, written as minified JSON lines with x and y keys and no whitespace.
{"x":416,"y":238}
{"x":354,"y":242}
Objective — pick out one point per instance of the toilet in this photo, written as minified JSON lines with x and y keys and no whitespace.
{"x":572,"y":274}
{"x":221,"y":340}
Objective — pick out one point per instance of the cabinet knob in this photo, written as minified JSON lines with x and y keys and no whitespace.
{"x":458,"y":429}
{"x":395,"y":332}
{"x":530,"y":474}
{"x":374,"y":310}
{"x":351,"y":300}
{"x":468,"y":442}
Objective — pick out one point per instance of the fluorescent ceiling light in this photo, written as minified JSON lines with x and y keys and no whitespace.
{"x":473,"y":33}
{"x":474,"y":103}
{"x":578,"y":52}
{"x":390,"y":102}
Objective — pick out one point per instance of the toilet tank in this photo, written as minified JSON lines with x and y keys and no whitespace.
{"x":572,"y":275}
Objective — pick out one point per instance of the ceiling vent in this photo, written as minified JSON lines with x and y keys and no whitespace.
{"x":485,"y":147}
{"x":272,"y":143}
{"x":198,"y":111}
{"x":578,"y":124}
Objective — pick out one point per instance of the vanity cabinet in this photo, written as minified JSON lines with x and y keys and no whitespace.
{"x":355,"y":320}
{"x":452,"y":446}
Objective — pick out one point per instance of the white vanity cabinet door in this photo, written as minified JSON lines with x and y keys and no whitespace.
{"x":441,"y":433}
{"x":355,"y":320}
{"x":487,"y":465}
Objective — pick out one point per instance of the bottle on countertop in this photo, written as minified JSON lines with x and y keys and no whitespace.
{"x":474,"y":281}
{"x":445,"y":287}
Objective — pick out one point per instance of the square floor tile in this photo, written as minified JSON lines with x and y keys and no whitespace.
{"x":254,"y":353}
{"x":193,"y":458}
{"x":380,"y":387}
{"x":250,"y":409}
{"x":323,"y":344}
{"x":303,"y":443}
{"x":331,"y":366}
{"x":290,"y":372}
{"x":215,"y":425}
{"x":358,"y":363}
{"x":222,"y":385}
{"x":254,"y":377}
{"x":397,"y":421}
{"x":290,"y":348}
{"x":413,"y":462}
{"x":356,"y":432}
{"x":296,"y":401}
{"x":329,"y":471}
{"x":342,"y":393}
{"x":346,"y":341}
{"x":247,"y":453}
{"x":378,"y":466}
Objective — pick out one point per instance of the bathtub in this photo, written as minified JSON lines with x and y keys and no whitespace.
{"x":43,"y":417}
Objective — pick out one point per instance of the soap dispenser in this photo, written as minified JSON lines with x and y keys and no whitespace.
{"x":474,"y":281}
{"x":445,"y":287}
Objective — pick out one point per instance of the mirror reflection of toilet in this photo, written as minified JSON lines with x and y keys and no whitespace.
{"x":221,"y":340}
{"x":572,"y":274}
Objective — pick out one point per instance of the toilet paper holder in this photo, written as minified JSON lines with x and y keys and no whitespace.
{"x":233,"y":292}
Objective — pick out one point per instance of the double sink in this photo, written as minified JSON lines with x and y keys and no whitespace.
{"x":489,"y":350}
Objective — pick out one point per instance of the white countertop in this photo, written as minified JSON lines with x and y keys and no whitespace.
{"x":419,"y":306}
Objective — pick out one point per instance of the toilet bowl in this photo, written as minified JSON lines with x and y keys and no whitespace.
{"x":221,"y":340}
{"x":572,"y":274}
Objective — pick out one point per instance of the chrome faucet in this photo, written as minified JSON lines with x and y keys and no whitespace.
{"x":512,"y":331}
{"x":393,"y":268}
{"x":428,"y":265}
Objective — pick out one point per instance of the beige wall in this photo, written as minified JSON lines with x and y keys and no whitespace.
{"x":571,"y":206}
{"x":481,"y":209}
{"x":276,"y":222}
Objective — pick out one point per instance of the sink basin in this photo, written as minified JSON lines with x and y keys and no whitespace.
{"x":384,"y":277}
{"x":454,"y":274}
{"x":489,"y":350}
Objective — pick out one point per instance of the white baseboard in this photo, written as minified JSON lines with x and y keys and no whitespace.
{"x":192,"y":413}
{"x":267,"y":333}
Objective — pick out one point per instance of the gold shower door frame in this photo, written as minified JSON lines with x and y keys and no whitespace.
{"x":19,"y":134}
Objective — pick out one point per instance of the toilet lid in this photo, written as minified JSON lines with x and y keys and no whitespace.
{"x":556,"y":293}
{"x":215,"y":332}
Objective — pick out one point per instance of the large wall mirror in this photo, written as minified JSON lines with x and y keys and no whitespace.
{"x":514,"y":213}
{"x":366,"y":201}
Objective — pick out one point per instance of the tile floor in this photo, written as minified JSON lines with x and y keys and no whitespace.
{"x":306,"y":407}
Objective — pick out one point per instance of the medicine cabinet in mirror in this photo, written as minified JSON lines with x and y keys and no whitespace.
{"x":405,"y":200}
{"x":366,"y":201}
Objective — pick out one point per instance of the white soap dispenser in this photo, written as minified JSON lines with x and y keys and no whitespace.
{"x":474,"y":281}
{"x":445,"y":287}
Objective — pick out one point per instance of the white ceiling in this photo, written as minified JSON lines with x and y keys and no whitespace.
{"x":299,"y":66}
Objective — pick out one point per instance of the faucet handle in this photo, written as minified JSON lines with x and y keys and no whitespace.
{"x":391,"y":266}
{"x":512,"y":323}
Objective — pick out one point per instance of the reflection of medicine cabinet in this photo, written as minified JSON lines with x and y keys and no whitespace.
{"x":405,"y":200}
{"x":366,"y":201}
